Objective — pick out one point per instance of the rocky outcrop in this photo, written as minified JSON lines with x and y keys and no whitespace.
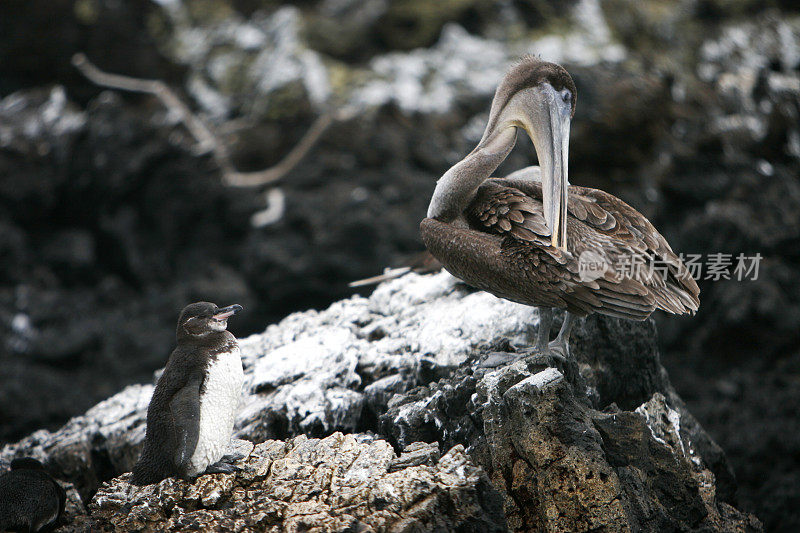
{"x":562,"y":465}
{"x":340,"y":483}
{"x":602,"y":444}
{"x":531,"y":443}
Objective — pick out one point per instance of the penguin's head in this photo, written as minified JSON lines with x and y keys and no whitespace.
{"x":201,"y":318}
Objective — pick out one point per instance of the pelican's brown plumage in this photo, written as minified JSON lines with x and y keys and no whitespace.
{"x":523,"y":237}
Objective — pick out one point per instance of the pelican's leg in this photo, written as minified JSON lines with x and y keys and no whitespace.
{"x":543,"y":332}
{"x":561,"y":342}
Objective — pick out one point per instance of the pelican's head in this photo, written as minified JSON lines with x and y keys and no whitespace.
{"x":539,"y":97}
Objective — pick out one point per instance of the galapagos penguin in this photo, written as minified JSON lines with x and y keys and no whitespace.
{"x":191,"y":414}
{"x":30,"y":500}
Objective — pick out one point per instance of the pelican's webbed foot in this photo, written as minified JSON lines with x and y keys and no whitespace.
{"x":558,"y":349}
{"x":548,"y":357}
{"x":560,"y":345}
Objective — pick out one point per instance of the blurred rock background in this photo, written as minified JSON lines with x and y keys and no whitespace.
{"x":111,"y":220}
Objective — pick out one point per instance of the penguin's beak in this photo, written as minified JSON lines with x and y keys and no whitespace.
{"x":225,"y":312}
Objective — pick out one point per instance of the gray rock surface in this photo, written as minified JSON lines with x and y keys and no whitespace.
{"x":565,"y":456}
{"x":427,"y":365}
{"x":340,"y":483}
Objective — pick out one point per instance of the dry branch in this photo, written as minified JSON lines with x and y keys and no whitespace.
{"x":289,"y":161}
{"x":202,"y":132}
{"x":157,"y":88}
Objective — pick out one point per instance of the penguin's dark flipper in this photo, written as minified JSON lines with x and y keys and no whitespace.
{"x":185,"y":409}
{"x":232,"y":458}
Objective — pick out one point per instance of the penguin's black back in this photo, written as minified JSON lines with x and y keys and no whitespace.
{"x":187,"y":363}
{"x":30,"y":500}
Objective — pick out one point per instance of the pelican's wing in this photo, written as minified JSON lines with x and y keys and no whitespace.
{"x":675,"y":289}
{"x":504,"y":210}
{"x":600,"y":223}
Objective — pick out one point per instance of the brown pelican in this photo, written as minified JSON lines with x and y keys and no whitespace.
{"x":534,"y":239}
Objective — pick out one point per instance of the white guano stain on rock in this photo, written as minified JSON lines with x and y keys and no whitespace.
{"x":542,"y":379}
{"x":664,"y":422}
{"x":310,"y":365}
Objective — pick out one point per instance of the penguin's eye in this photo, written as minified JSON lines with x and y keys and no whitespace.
{"x":566,"y":95}
{"x":195,"y":323}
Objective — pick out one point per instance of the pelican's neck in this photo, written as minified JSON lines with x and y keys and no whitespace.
{"x":456,"y":188}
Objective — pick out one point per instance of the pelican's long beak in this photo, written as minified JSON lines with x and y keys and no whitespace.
{"x":545,"y":116}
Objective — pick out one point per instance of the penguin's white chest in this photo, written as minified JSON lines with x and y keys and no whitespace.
{"x":218,"y":404}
